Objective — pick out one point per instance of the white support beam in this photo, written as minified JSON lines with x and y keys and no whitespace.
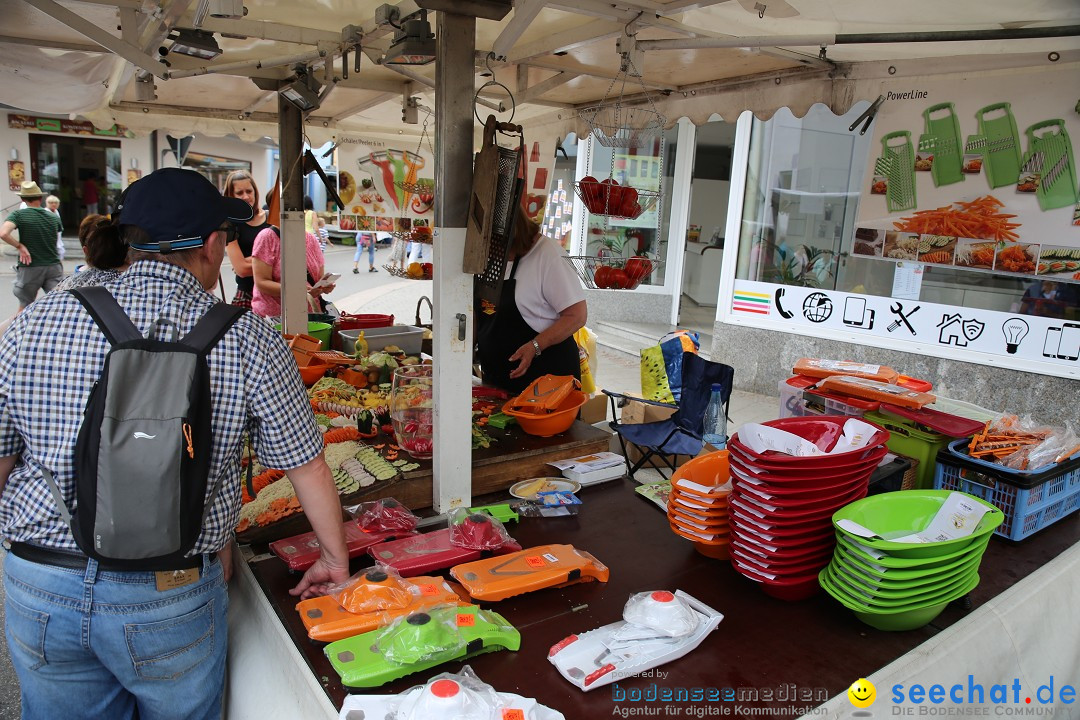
{"x":681,"y":6}
{"x":263,"y":30}
{"x":565,"y":65}
{"x":225,"y":68}
{"x":532,"y":94}
{"x":565,"y":41}
{"x":134,"y":4}
{"x":761,"y":41}
{"x":130,"y":31}
{"x":267,"y":97}
{"x":103,"y":38}
{"x":525,"y":12}
{"x":371,"y":102}
{"x":53,"y":44}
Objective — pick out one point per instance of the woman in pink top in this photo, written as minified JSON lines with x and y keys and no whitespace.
{"x":266,"y":268}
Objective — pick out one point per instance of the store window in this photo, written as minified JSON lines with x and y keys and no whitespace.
{"x":214,"y":167}
{"x":647,"y":167}
{"x":558,"y":217}
{"x":802,"y":194}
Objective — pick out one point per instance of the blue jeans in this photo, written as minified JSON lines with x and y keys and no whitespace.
{"x":96,"y":644}
{"x":360,"y":252}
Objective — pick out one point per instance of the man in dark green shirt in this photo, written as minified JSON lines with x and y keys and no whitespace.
{"x":39,"y":264}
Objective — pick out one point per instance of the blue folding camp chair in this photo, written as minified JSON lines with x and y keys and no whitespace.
{"x":681,"y":433}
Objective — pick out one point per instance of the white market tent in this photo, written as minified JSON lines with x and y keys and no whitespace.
{"x":83,"y":58}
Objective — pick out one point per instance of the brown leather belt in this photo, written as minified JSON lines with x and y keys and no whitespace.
{"x":77,"y":561}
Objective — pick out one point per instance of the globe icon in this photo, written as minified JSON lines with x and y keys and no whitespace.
{"x":817,"y":307}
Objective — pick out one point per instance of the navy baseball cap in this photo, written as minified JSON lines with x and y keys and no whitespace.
{"x":178,"y":209}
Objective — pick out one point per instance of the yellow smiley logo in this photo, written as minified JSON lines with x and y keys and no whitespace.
{"x":862,"y":693}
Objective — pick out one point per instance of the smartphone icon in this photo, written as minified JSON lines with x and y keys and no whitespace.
{"x":854,"y":311}
{"x":1053,"y":340}
{"x":1069,"y":346}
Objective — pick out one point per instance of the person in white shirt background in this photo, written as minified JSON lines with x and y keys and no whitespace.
{"x":52,"y":204}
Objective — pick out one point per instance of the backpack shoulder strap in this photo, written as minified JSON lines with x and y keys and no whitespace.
{"x":213,"y":326}
{"x":107,"y":313}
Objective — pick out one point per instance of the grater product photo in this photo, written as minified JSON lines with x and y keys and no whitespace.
{"x":942,"y":131}
{"x":1001,"y":156}
{"x":1052,"y":151}
{"x":898,"y":158}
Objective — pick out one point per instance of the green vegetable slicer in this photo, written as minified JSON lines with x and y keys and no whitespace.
{"x":419,"y":642}
{"x":897,"y":164}
{"x":942,"y":138}
{"x":1053,"y":155}
{"x":1001,"y":156}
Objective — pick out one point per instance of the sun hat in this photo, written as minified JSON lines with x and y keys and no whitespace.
{"x":29,"y":190}
{"x":178,"y":209}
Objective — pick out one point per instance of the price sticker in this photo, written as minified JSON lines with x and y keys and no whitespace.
{"x":535,"y":561}
{"x":428,"y":589}
{"x":466,"y":620}
{"x":513,"y":714}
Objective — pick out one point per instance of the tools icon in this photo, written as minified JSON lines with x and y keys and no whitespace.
{"x":897,"y":309}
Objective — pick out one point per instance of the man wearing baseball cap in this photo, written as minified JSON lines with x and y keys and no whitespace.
{"x":118,"y":645}
{"x":39,"y":265}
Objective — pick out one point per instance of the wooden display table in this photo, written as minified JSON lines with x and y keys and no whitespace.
{"x":815,"y":646}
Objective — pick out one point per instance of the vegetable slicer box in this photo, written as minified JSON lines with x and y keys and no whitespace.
{"x":534,"y":568}
{"x":427,"y":553}
{"x":301,"y":551}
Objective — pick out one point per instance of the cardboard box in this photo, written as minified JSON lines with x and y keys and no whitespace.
{"x":639,"y":412}
{"x":594,"y":410}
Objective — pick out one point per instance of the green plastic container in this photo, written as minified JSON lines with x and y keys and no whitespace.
{"x":906,"y":440}
{"x":318,"y":330}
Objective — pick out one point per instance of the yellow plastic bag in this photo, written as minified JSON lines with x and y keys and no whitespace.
{"x":586,"y":342}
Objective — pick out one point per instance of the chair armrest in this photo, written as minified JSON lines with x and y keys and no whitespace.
{"x":634,"y":398}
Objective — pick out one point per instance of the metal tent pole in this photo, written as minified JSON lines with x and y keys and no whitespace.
{"x":453,"y":321}
{"x":293,"y":250}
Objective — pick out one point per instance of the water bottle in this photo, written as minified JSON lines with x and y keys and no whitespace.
{"x":716,"y":419}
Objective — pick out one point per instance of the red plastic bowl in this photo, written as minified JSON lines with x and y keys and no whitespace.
{"x":362,"y":321}
{"x":800,"y":489}
{"x":823,"y":431}
{"x":771,"y":462}
{"x":794,"y":514}
{"x":781,"y":568}
{"x":765,"y":495}
{"x":802,"y":552}
{"x":792,"y":590}
{"x":770,"y":472}
{"x":775,"y":536}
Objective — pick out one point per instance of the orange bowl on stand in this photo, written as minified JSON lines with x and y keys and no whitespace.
{"x":552,"y":423}
{"x":314,"y":371}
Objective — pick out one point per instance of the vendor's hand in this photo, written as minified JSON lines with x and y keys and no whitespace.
{"x":320,"y":577}
{"x":24,"y":255}
{"x":523,"y":357}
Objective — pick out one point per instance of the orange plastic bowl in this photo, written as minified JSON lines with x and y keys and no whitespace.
{"x":552,"y":423}
{"x":311,"y":374}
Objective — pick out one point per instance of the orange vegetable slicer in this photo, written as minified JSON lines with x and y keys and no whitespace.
{"x":534,"y":568}
{"x":326,"y":620}
{"x":545,"y":394}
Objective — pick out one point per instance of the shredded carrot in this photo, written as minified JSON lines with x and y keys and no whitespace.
{"x":979,"y":219}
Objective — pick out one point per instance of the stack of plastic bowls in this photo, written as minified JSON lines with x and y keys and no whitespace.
{"x":698,"y":503}
{"x":781,"y":505}
{"x":903,"y":586}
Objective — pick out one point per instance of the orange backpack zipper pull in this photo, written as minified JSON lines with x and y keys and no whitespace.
{"x":187,"y":437}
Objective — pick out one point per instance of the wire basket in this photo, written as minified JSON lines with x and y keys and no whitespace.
{"x":613,"y":273}
{"x":403,"y":273}
{"x":614,"y":200}
{"x":623,"y":127}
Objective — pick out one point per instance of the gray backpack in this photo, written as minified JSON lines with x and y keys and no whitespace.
{"x":142,"y":457}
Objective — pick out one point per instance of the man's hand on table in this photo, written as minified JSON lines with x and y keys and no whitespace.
{"x":320,"y":577}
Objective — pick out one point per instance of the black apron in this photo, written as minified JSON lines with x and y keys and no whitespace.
{"x":501,"y":333}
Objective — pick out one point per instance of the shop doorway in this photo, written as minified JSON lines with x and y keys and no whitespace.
{"x":64,"y":167}
{"x":709,"y":187}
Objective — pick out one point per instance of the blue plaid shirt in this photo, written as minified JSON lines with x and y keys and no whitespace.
{"x":52,"y":355}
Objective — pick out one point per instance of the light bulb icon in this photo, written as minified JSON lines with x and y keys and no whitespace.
{"x":1015,"y":330}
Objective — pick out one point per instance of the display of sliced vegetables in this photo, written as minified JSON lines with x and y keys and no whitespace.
{"x":981,"y":219}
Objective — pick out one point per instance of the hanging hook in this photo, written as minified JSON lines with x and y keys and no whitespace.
{"x":760,"y":7}
{"x":626,"y":28}
{"x":487,"y":62}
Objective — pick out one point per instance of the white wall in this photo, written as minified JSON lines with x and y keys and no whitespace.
{"x":708,"y":206}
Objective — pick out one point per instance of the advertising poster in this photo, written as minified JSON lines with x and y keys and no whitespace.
{"x":16,"y":173}
{"x":978,"y":175}
{"x":386,"y":184}
{"x":1028,"y":337}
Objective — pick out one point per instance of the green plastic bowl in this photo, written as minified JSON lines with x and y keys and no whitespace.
{"x":908,"y":511}
{"x":883,"y":605}
{"x":892,"y":578}
{"x":902,"y":591}
{"x":891,"y":563}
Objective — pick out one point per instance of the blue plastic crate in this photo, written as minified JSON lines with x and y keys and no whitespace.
{"x":1031,"y":500}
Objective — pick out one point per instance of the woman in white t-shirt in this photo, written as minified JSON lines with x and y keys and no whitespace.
{"x":529,"y":330}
